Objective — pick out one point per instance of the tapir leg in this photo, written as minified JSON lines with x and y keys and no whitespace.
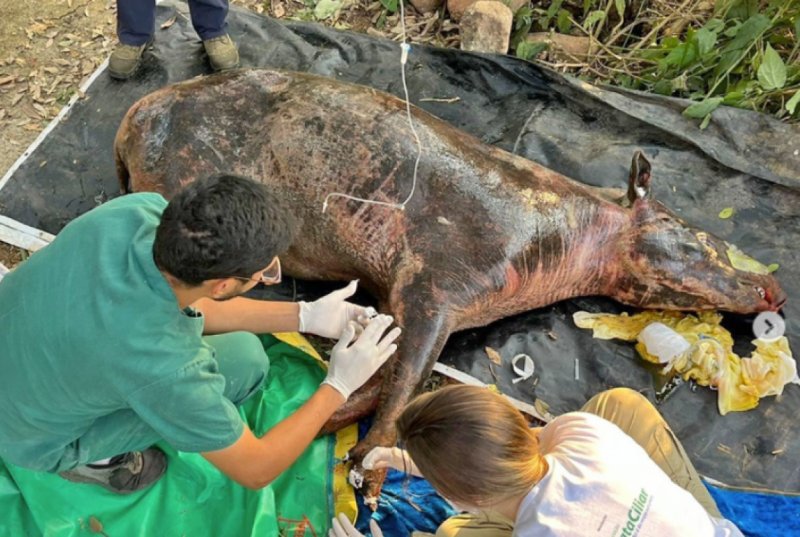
{"x":426,"y":327}
{"x":360,"y":404}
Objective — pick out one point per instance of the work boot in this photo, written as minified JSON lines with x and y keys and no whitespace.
{"x":126,"y":473}
{"x":125,"y":60}
{"x":222,"y":52}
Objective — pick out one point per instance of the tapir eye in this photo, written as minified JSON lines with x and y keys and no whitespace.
{"x":761,"y":292}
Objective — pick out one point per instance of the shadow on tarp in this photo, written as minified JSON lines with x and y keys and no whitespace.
{"x":742,"y":160}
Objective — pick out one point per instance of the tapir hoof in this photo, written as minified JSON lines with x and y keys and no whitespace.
{"x":369,"y":482}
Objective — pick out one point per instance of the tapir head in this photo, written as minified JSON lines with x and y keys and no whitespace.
{"x":667,"y":264}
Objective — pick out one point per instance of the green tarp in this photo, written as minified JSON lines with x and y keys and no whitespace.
{"x":193,"y":498}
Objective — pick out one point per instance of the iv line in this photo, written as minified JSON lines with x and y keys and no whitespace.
{"x":404,"y":49}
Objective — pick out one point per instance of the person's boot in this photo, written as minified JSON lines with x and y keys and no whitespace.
{"x":125,"y":60}
{"x":222,"y":52}
{"x":126,"y":473}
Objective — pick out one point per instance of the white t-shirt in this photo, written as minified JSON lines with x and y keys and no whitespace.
{"x":601,"y":483}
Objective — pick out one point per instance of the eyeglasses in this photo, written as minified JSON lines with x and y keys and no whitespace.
{"x":270,"y":276}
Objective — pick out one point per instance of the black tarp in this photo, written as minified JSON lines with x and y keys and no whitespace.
{"x":742,"y":160}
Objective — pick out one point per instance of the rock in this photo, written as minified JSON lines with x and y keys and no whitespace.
{"x":486,"y":27}
{"x":457,"y":8}
{"x":426,"y":6}
{"x":563,"y":47}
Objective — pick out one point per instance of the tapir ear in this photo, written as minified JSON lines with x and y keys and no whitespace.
{"x":639,"y":178}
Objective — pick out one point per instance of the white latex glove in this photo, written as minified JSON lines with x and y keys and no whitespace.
{"x":342,"y":527}
{"x":394,"y":457}
{"x":329,"y":315}
{"x":352,"y":365}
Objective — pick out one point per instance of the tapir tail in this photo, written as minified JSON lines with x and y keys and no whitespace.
{"x":123,"y":175}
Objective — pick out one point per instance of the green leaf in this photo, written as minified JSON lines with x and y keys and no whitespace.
{"x":325,"y":9}
{"x":703,"y":108}
{"x":733,"y":98}
{"x":593,"y":18}
{"x":620,"y":5}
{"x":746,"y":35}
{"x":714,"y":25}
{"x":772,"y":72}
{"x":726,"y":213}
{"x":670,"y":42}
{"x":741,"y":9}
{"x":563,"y":22}
{"x":663,"y":87}
{"x":390,"y":5}
{"x":682,"y":56}
{"x":587,"y":4}
{"x":705,"y":122}
{"x":797,"y":29}
{"x":791,"y":104}
{"x":706,"y":39}
{"x":523,"y":18}
{"x":553,"y":9}
{"x":528,"y":50}
{"x":772,"y":267}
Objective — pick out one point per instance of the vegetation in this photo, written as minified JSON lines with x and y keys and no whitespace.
{"x":742,"y":53}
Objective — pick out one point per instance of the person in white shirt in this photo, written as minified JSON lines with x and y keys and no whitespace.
{"x":613,"y":469}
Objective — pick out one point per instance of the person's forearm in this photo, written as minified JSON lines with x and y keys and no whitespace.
{"x":257,"y":316}
{"x":288,"y":439}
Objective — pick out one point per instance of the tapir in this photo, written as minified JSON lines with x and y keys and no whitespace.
{"x":485,"y":234}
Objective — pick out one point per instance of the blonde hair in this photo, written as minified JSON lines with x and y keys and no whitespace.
{"x":472,"y":445}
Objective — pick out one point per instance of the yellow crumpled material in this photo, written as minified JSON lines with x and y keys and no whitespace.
{"x":710,"y":361}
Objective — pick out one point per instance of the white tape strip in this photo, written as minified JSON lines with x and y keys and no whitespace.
{"x":464,"y":378}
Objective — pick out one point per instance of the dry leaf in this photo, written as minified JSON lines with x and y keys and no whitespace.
{"x":169,"y":22}
{"x":7,"y":80}
{"x":494,"y":356}
{"x":552,"y":335}
{"x":51,"y":70}
{"x":278,"y":11}
{"x":96,"y":526}
{"x":17,"y":99}
{"x":541,"y":407}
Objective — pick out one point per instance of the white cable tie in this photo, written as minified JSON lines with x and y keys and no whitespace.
{"x":404,"y":49}
{"x":526,"y":371}
{"x":577,"y":369}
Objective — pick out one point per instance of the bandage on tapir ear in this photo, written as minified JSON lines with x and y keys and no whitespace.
{"x":639,"y":178}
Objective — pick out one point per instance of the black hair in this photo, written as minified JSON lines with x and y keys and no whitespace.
{"x":221,"y":227}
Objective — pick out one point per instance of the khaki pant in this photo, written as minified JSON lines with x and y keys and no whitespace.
{"x":632,"y":413}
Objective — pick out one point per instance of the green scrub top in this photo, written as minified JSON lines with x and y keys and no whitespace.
{"x":89,"y":327}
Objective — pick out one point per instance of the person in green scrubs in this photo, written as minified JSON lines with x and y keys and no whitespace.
{"x":129,"y":329}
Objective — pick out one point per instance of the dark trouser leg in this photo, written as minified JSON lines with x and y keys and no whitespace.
{"x":634,"y":414}
{"x":136,"y":21}
{"x":208,"y":17}
{"x":243,"y":363}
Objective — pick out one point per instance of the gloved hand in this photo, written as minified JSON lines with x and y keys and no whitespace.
{"x":329,"y":315}
{"x":394,"y":457}
{"x":352,"y":365}
{"x":342,"y":527}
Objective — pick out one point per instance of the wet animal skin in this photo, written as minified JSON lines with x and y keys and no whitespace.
{"x":486,"y":235}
